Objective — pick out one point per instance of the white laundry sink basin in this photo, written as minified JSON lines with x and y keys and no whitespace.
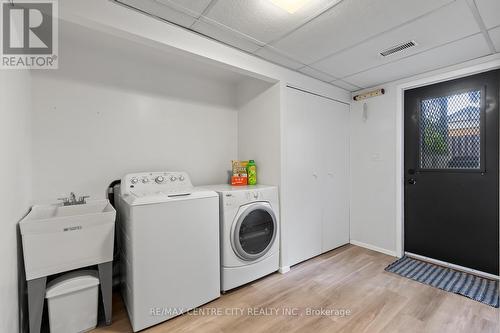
{"x":59,"y":238}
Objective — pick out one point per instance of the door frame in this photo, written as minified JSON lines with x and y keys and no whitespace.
{"x":468,"y":69}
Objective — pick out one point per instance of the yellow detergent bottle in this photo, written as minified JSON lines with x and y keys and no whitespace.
{"x":252,"y":172}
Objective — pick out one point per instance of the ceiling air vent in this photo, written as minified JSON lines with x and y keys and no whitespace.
{"x":398,"y":48}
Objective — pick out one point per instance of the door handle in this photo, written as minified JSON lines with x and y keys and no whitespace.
{"x":412,"y":181}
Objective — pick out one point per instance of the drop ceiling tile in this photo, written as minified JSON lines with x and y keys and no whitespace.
{"x":317,"y":74}
{"x":346,"y":85}
{"x":262,"y":19}
{"x":446,"y":55}
{"x":447,"y":24}
{"x":225,"y":35}
{"x":157,"y":9}
{"x":495,"y":37}
{"x":193,"y":7}
{"x":277,"y":57}
{"x":490,"y":12}
{"x":349,"y":23}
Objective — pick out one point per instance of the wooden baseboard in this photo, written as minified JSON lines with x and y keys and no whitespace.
{"x":373,"y":248}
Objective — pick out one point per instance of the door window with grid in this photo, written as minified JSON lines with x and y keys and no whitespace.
{"x":450,"y":132}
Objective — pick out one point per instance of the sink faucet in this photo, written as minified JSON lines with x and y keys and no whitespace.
{"x":71,"y":200}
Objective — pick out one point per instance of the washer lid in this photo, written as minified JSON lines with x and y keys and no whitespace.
{"x":146,"y":198}
{"x":146,"y":188}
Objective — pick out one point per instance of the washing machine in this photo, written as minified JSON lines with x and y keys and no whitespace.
{"x":168,"y":233}
{"x":249,"y":233}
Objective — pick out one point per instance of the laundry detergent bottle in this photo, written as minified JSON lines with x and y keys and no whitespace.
{"x":252,"y":172}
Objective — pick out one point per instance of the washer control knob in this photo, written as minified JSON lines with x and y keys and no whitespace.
{"x":134,"y":180}
{"x":173,"y":178}
{"x":181,"y":178}
{"x":159,"y":179}
{"x":145,"y":180}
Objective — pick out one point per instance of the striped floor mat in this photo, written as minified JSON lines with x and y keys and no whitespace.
{"x":465,"y":284}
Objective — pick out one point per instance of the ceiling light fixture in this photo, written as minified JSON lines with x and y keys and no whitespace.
{"x":290,"y":6}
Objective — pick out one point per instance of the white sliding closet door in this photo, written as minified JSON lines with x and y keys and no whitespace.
{"x":335,"y":174}
{"x":302,"y":213}
{"x":315,"y":196}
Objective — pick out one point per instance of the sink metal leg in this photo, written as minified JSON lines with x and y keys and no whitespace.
{"x":106,"y":282}
{"x":36,"y":296}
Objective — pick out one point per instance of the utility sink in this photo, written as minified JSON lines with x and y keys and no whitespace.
{"x":59,"y":238}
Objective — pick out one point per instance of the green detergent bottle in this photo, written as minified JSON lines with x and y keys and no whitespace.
{"x":252,"y":172}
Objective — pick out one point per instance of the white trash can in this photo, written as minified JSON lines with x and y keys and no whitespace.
{"x":72,"y":302}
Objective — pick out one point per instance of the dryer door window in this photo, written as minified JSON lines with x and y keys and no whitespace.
{"x":255,"y":232}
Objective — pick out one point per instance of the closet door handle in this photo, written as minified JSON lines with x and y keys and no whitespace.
{"x":315,"y":175}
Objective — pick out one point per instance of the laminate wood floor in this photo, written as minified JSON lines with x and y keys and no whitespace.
{"x":349,"y":278}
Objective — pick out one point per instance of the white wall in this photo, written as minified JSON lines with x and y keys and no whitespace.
{"x":259,"y":135}
{"x":113,"y":110}
{"x":377,"y":158}
{"x":16,"y":184}
{"x":373,"y":148}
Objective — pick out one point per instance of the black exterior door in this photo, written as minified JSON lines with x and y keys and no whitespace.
{"x":451,"y":171}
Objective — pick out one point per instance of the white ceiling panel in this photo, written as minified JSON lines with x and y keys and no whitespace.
{"x":225,"y":35}
{"x":339,"y":41}
{"x":275,"y":56}
{"x":346,"y":85}
{"x":193,"y":7}
{"x":495,"y":37}
{"x":164,"y":12}
{"x":490,"y":12}
{"x":317,"y":74}
{"x":450,"y":54}
{"x":261,"y":19}
{"x":447,"y":24}
{"x":351,"y":22}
